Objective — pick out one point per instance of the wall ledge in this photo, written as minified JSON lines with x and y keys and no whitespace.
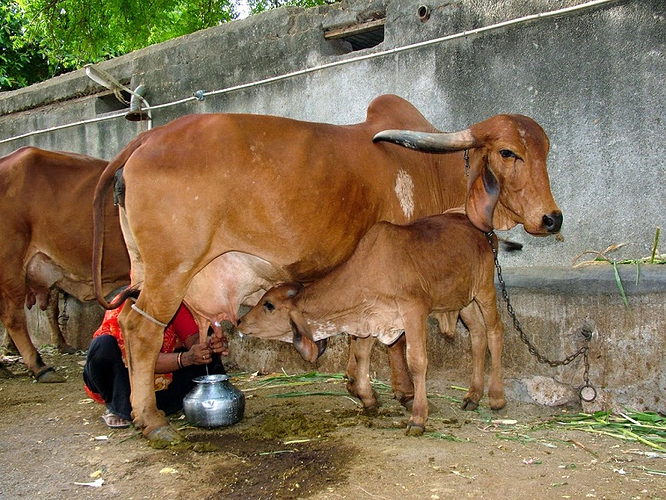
{"x":598,"y":279}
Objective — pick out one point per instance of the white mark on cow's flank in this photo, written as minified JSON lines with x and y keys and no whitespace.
{"x":404,"y":190}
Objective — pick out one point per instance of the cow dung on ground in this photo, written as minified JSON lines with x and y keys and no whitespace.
{"x":316,"y":445}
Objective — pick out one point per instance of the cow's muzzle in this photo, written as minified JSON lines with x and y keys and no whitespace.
{"x":553,"y":222}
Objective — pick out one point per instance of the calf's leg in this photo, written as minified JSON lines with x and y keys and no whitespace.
{"x":401,"y":380}
{"x":487,"y":332}
{"x":358,"y":371}
{"x":495,"y":336}
{"x":473,"y":319}
{"x":417,"y":361}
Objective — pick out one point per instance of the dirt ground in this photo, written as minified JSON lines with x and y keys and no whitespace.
{"x":317,"y":446}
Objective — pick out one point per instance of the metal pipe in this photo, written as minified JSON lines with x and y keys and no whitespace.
{"x":137,"y":113}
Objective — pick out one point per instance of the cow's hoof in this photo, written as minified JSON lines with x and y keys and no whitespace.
{"x":469,"y":405}
{"x":66,"y":349}
{"x":47,"y":375}
{"x":166,"y":437}
{"x":414,"y":430}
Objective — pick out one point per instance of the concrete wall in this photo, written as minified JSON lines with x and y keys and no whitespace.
{"x":592,"y":77}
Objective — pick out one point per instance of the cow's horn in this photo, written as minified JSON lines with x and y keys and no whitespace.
{"x":439,"y":142}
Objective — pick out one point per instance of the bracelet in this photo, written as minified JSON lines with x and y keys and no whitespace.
{"x":180,"y":363}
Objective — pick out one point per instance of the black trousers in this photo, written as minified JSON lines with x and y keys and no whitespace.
{"x":106,"y":374}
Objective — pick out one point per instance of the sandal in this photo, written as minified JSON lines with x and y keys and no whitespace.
{"x":114,"y":421}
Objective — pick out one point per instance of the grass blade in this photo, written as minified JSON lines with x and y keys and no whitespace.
{"x":619,"y":284}
{"x":648,"y":428}
{"x":654,"y":247}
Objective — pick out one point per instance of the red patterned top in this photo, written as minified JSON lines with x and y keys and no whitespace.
{"x":176,"y":333}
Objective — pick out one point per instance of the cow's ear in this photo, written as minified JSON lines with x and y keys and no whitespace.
{"x":302,"y":337}
{"x":482,"y":196}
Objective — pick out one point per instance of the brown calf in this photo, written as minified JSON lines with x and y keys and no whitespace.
{"x":394,"y":279}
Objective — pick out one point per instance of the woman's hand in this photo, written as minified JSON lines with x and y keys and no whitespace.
{"x":219,"y":344}
{"x":199,"y":354}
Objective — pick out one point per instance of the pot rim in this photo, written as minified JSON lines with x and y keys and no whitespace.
{"x":213,"y":378}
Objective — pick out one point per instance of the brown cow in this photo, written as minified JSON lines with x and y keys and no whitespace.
{"x":395,"y":278}
{"x":46,"y":239}
{"x":220,"y":207}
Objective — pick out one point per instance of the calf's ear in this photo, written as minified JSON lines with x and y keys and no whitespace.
{"x":302,"y":337}
{"x":482,"y":196}
{"x":321,"y":346}
{"x":294,"y":290}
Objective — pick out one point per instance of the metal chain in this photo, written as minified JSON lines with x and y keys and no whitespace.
{"x":583,"y":351}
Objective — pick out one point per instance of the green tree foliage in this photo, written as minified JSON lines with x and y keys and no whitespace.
{"x":92,"y":31}
{"x":21,"y":63}
{"x":40,"y":39}
{"x":257,"y":6}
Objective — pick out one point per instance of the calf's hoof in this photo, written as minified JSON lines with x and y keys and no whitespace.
{"x":469,"y":405}
{"x":372,"y":410}
{"x":47,"y":375}
{"x":368,"y":402}
{"x":165,"y":437}
{"x":406,"y":400}
{"x":414,"y":430}
{"x":497,"y":403}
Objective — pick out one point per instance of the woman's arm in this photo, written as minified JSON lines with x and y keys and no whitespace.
{"x":196,"y":354}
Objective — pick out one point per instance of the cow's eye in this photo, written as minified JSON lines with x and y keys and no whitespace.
{"x":269,"y":307}
{"x":507,"y":153}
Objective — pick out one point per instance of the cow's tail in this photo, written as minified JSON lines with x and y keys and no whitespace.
{"x":101,"y":191}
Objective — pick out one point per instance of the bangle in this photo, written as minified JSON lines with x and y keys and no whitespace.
{"x":180,"y":363}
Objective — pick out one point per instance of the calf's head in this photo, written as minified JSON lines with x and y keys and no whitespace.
{"x":278,"y":317}
{"x":508,"y":182}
